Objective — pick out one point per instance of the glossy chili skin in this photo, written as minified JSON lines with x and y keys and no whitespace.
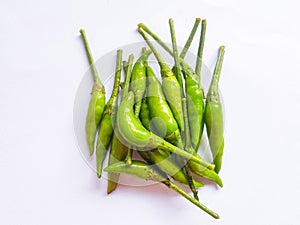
{"x":213,"y":115}
{"x":97,"y":100}
{"x":195,"y":104}
{"x":138,"y":80}
{"x":106,"y":125}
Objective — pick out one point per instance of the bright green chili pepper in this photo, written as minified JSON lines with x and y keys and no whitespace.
{"x":145,"y":113}
{"x":106,"y":125}
{"x":170,"y":85}
{"x":135,"y":134}
{"x":97,"y":101}
{"x":148,"y":172}
{"x":213,"y":115}
{"x":138,"y":80}
{"x":119,"y":148}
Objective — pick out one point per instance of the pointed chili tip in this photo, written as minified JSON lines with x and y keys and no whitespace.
{"x":99,"y":174}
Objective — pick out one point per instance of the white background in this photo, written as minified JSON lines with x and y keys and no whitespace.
{"x":43,"y":178}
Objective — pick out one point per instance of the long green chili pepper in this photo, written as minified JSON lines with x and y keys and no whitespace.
{"x":119,"y":148}
{"x":171,"y":87}
{"x":138,"y":80}
{"x":106,"y":125}
{"x":97,"y":101}
{"x":134,"y":133}
{"x":213,"y":115}
{"x":148,"y":172}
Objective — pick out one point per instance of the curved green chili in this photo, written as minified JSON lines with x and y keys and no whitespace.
{"x":170,"y":85}
{"x":106,"y":125}
{"x":213,"y":115}
{"x":148,"y":172}
{"x":97,"y":101}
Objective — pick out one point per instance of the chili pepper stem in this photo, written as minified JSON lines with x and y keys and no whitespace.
{"x":175,"y":53}
{"x":200,"y":48}
{"x":127,"y":70}
{"x":190,"y":39}
{"x":213,"y":89}
{"x":90,"y":58}
{"x":191,"y":199}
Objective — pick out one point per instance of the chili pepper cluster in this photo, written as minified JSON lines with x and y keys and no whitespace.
{"x":162,"y":121}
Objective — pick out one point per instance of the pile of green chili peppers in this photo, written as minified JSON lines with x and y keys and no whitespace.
{"x":162,"y":121}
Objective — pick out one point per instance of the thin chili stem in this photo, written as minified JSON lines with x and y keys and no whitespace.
{"x":155,"y":37}
{"x":127,"y":68}
{"x":157,"y":55}
{"x":175,"y":53}
{"x":90,"y":57}
{"x":200,"y":49}
{"x":217,"y":70}
{"x":190,"y":39}
{"x":174,"y":187}
{"x":115,"y":90}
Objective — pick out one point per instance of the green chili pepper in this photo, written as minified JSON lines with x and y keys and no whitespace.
{"x":106,"y":125}
{"x":134,"y":133}
{"x":170,"y":85}
{"x":97,"y":101}
{"x":148,"y":172}
{"x":119,"y":147}
{"x":145,"y":113}
{"x":138,"y":80}
{"x":213,"y":115}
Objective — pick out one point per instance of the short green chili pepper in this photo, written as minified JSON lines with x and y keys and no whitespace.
{"x":138,"y":80}
{"x":106,"y":125}
{"x":97,"y":101}
{"x":148,"y":172}
{"x":213,"y":115}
